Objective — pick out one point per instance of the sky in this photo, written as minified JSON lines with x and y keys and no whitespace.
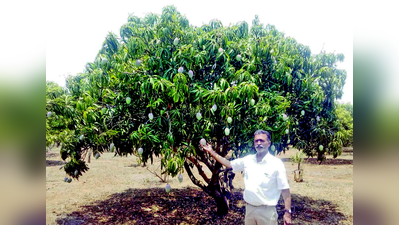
{"x":77,"y":29}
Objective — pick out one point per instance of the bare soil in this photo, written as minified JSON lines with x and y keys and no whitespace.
{"x":117,"y":190}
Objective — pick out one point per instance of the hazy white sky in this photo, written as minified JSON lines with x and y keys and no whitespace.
{"x":77,"y":29}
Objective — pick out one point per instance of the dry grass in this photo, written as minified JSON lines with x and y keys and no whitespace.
{"x":331,"y":182}
{"x":325,"y":196}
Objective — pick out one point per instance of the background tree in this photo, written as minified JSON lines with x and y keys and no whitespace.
{"x":344,"y":114}
{"x":55,"y":124}
{"x":164,"y":85}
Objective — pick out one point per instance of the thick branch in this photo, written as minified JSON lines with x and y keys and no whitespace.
{"x":218,"y":166}
{"x":228,"y":177}
{"x":195,"y":180}
{"x":225,"y":147}
{"x":199,"y":167}
{"x":205,"y":159}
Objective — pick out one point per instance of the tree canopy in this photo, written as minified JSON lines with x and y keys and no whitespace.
{"x":344,"y":113}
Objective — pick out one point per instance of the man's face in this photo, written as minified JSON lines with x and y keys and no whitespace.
{"x":261,"y":143}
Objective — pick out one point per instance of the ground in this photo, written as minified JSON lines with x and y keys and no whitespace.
{"x":116,"y":190}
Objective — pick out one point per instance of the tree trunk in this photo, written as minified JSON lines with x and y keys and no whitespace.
{"x":216,"y":192}
{"x":321,"y":157}
{"x":215,"y":186}
{"x":221,"y":201}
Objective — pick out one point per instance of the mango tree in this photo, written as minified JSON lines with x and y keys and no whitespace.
{"x":56,"y":125}
{"x":344,"y":114}
{"x":164,"y":85}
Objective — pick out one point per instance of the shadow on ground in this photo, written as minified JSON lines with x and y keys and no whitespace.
{"x":52,"y":155}
{"x":54,"y":163}
{"x":134,"y":165}
{"x":325,"y":161}
{"x":189,"y":206}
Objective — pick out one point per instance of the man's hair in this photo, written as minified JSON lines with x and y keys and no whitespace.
{"x":263,"y":132}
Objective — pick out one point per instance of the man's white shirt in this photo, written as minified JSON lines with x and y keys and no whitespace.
{"x":264,"y":180}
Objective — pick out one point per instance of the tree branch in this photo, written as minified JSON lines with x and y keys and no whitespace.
{"x":83,"y":153}
{"x":194,"y":180}
{"x":204,"y":159}
{"x":199,"y":167}
{"x":156,"y":175}
{"x":218,"y":166}
{"x":225,"y":147}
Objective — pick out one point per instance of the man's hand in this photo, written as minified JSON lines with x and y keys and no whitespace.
{"x":220,"y":159}
{"x":287,"y":218}
{"x":207,"y":147}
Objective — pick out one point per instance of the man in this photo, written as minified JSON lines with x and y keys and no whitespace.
{"x":265,"y":180}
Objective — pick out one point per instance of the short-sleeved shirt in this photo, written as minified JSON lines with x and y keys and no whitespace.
{"x":264,"y":180}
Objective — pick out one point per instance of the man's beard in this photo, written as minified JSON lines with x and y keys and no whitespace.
{"x":260,"y":148}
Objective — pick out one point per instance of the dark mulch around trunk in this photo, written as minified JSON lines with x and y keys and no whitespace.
{"x":189,"y":206}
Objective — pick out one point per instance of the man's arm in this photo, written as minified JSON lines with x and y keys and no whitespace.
{"x":219,"y":158}
{"x":287,"y":202}
{"x":287,"y":198}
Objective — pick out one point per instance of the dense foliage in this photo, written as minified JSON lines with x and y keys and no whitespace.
{"x":164,"y":84}
{"x":344,"y":113}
